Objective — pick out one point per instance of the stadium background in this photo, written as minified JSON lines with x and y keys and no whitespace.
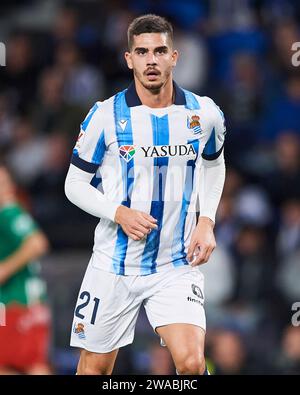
{"x":64,"y":55}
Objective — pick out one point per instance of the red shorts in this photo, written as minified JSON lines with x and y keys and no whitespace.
{"x":25,"y":338}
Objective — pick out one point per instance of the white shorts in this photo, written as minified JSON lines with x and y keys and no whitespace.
{"x":108,"y":305}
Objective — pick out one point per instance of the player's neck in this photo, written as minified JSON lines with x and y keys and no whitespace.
{"x":163,"y":98}
{"x":7,"y":200}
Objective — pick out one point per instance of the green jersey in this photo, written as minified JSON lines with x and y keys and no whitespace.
{"x":24,"y":287}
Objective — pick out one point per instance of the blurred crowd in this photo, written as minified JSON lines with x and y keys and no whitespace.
{"x":62,"y":56}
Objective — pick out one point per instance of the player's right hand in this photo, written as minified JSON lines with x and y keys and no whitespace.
{"x":136,"y":224}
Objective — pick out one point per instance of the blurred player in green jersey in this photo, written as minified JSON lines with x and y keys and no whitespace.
{"x":24,"y":333}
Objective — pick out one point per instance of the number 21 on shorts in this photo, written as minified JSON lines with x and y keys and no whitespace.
{"x":86,"y":297}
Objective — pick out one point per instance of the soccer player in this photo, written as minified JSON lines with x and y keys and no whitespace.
{"x":24,"y":337}
{"x":159,"y":152}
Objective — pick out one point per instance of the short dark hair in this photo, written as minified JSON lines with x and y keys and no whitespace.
{"x":149,"y":23}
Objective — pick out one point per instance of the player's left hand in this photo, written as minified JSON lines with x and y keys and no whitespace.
{"x":4,"y":273}
{"x":202,"y":242}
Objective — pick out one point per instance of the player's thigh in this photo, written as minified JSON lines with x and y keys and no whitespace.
{"x":91,"y":363}
{"x":184,"y":341}
{"x":186,"y":344}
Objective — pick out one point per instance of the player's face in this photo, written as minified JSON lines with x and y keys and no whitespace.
{"x":152,"y":59}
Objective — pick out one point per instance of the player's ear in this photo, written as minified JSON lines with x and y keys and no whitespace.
{"x":175,"y":56}
{"x":128,"y":60}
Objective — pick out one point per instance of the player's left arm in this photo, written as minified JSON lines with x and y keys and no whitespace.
{"x":33,"y":245}
{"x":212,"y":177}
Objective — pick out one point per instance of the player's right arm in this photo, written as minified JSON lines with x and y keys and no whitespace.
{"x":87,"y":157}
{"x":33,"y":244}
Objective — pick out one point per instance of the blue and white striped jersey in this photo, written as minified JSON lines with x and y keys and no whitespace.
{"x":149,"y":159}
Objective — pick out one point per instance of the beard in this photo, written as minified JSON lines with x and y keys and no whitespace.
{"x":153,"y":86}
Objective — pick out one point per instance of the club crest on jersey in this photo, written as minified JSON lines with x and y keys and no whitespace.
{"x":194,"y":124}
{"x":79,"y":329}
{"x":127,"y":152}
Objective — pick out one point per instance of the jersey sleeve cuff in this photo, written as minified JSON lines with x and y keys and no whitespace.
{"x":111,"y":211}
{"x":84,"y":165}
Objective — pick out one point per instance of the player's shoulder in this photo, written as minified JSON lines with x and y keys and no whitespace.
{"x":100,"y":113}
{"x":12,"y":210}
{"x":15,"y":216}
{"x":206,"y":102}
{"x":99,"y":106}
{"x":102,"y":106}
{"x":211,"y":107}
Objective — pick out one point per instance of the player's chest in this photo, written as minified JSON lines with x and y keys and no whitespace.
{"x":176,"y":137}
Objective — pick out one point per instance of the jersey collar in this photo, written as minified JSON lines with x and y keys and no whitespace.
{"x":133,"y":100}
